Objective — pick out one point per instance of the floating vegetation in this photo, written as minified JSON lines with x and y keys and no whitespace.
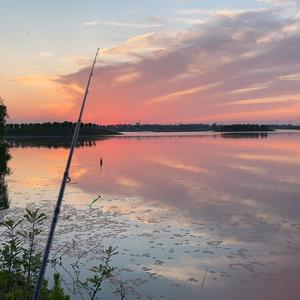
{"x":94,"y":201}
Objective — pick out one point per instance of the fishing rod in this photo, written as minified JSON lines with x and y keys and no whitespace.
{"x":65,"y":180}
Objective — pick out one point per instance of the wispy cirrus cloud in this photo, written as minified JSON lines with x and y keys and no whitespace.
{"x":185,"y":92}
{"x":256,"y":87}
{"x":266,"y":100}
{"x":290,"y":77}
{"x":35,"y":79}
{"x":281,"y":2}
{"x":135,"y":48}
{"x":121,"y":24}
{"x":45,"y":54}
{"x":193,"y":11}
{"x":91,"y":23}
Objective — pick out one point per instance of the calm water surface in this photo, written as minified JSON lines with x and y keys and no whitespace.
{"x":194,"y":216}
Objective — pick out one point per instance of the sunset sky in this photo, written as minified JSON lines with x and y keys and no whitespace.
{"x":161,"y":61}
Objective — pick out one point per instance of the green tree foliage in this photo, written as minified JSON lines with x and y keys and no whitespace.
{"x":4,"y":158}
{"x":57,"y":292}
{"x":31,"y":258}
{"x":3,"y":117}
{"x":101,"y":273}
{"x":10,"y":260}
{"x":20,"y":260}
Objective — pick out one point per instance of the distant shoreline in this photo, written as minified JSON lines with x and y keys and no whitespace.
{"x":91,"y":130}
{"x":56,"y":129}
{"x":58,"y":136}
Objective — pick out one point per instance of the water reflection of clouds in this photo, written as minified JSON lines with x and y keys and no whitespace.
{"x":269,"y":158}
{"x":180,"y":166}
{"x":250,"y":169}
{"x":34,"y":181}
{"x":78,"y":173}
{"x":220,"y":197}
{"x":228,"y":190}
{"x":290,"y":179}
{"x":128,"y":182}
{"x":185,"y":270}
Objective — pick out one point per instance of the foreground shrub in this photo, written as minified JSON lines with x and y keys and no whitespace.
{"x":20,"y":260}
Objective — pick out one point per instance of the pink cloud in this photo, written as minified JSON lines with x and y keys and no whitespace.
{"x":223,"y":70}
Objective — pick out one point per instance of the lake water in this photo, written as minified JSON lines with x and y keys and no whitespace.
{"x":193,"y":216}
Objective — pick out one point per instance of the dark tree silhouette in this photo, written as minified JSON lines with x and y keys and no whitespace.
{"x":4,"y":157}
{"x":243,"y":128}
{"x":55,"y":129}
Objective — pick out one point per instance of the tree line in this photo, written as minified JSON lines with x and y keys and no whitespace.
{"x":55,"y":129}
{"x":158,"y":127}
{"x":92,"y":129}
{"x":243,"y":127}
{"x":187,"y":127}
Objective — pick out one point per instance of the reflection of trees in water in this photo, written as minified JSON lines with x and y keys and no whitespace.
{"x":47,"y":142}
{"x":243,"y":135}
{"x":4,"y":170}
{"x":4,"y":158}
